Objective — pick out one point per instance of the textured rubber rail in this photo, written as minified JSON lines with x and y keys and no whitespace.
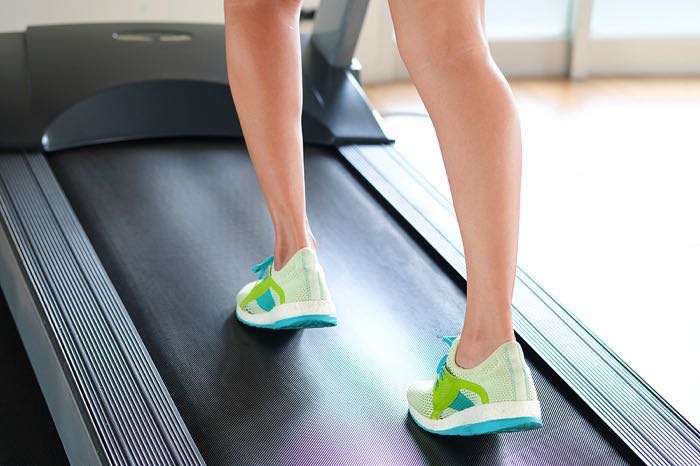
{"x":103,"y":390}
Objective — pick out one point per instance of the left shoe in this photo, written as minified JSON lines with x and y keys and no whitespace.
{"x":292,"y":298}
{"x":498,"y":395}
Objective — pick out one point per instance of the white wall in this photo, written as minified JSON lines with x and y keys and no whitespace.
{"x":15,"y":15}
{"x":376,"y":48}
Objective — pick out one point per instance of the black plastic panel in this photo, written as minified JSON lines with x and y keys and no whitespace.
{"x":177,"y":226}
{"x":153,"y":109}
{"x":20,"y":126}
{"x":76,"y":85}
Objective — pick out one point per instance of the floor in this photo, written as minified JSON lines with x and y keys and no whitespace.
{"x":610,"y":221}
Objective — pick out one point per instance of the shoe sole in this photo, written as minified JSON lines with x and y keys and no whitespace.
{"x":305,"y":314}
{"x":492,"y":418}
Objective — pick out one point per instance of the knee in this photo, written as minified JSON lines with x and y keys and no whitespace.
{"x":443,"y":41}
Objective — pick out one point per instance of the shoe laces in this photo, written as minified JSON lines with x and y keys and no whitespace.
{"x":263,"y":267}
{"x":441,"y":371}
{"x":442,"y":365}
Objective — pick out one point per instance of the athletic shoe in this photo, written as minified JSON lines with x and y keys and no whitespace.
{"x":295,"y":297}
{"x":498,"y":395}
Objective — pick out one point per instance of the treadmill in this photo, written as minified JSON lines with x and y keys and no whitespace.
{"x":130,"y":214}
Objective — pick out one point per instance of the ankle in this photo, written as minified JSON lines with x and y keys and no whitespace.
{"x":472,"y":350}
{"x":286,"y":247}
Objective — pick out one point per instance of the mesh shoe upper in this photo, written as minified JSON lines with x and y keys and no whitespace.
{"x":503,"y":376}
{"x":301,"y":279}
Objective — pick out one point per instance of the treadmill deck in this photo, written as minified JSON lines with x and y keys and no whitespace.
{"x":177,"y":225}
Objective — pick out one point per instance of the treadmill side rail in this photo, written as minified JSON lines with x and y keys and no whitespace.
{"x":104,"y":393}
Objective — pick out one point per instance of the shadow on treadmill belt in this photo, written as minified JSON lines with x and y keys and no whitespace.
{"x":178,"y":224}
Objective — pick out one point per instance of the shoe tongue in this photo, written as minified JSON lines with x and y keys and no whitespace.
{"x":449,"y":358}
{"x":441,"y":364}
{"x":451,"y":361}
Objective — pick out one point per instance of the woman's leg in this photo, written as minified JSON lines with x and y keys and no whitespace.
{"x":264,"y":70}
{"x":443,"y":45}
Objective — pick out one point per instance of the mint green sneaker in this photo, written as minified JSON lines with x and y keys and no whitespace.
{"x":498,"y":395}
{"x":295,"y":297}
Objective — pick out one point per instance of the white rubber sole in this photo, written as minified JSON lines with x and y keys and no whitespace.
{"x":303,"y":314}
{"x":506,"y":416}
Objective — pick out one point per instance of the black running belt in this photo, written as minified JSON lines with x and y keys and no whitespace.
{"x":27,"y":433}
{"x":177,"y":225}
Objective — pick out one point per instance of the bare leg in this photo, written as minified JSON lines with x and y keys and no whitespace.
{"x":264,"y":70}
{"x":443,"y":45}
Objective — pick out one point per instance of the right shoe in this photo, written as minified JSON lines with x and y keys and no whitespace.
{"x":292,"y":298}
{"x":498,"y":395}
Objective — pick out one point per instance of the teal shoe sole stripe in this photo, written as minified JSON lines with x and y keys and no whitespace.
{"x":494,"y":426}
{"x":299,"y":322}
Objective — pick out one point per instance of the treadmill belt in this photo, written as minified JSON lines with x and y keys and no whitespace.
{"x":177,"y":225}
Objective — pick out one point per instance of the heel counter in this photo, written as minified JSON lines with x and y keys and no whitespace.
{"x":525,"y":387}
{"x":531,"y":392}
{"x":323,"y":286}
{"x":318,"y":289}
